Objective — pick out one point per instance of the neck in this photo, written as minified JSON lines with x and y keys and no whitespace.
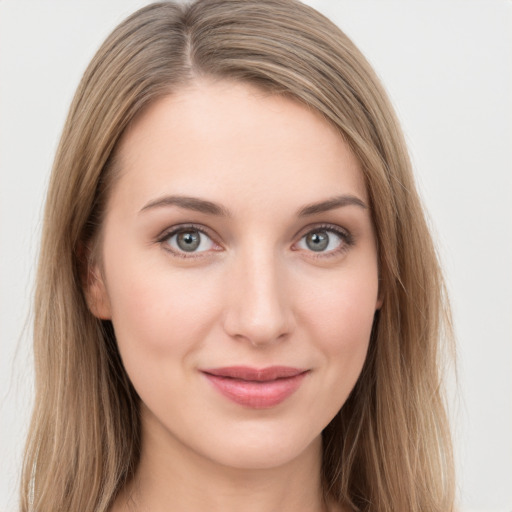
{"x":171,"y":477}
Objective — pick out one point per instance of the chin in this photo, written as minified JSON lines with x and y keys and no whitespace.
{"x":262,"y":449}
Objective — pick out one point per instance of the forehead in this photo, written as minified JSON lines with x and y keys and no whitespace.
{"x":233,"y":142}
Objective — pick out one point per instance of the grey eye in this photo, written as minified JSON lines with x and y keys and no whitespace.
{"x":189,"y":240}
{"x":317,"y":241}
{"x":321,"y":240}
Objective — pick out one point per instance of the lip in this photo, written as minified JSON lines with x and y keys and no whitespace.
{"x":257,"y":388}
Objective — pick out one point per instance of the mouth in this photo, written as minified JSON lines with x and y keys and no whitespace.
{"x":256,"y":388}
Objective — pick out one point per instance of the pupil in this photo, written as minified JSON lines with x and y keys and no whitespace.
{"x":188,"y":241}
{"x":317,"y":241}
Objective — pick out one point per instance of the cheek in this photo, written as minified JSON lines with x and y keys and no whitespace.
{"x":342,"y":311}
{"x":161,"y":321}
{"x":159,"y":312}
{"x":340,"y":319}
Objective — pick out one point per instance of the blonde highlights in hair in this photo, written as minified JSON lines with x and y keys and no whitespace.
{"x":388,"y":449}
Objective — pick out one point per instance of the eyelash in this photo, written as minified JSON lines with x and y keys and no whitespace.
{"x":347,"y":240}
{"x":345,"y":236}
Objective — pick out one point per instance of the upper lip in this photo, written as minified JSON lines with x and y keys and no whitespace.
{"x":255,"y":374}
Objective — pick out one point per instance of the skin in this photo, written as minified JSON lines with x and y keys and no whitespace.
{"x":254,"y":293}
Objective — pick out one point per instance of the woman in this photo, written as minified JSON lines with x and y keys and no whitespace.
{"x":238,"y":302}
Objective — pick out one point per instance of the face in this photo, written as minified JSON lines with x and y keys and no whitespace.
{"x":238,"y":266}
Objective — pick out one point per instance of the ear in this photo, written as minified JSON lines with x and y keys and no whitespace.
{"x":94,"y":286}
{"x":97,"y":296}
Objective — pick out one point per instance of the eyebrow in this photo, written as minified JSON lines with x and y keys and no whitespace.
{"x":189,"y":203}
{"x":210,"y":208}
{"x":331,"y":204}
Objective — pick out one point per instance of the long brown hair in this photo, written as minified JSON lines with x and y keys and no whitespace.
{"x":388,"y":448}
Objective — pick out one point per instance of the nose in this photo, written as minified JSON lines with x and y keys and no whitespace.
{"x":258,"y":308}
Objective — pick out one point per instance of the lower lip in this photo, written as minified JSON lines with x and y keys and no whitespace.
{"x":254,"y":394}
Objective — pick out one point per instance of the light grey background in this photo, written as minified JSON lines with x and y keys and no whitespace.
{"x":447,"y":65}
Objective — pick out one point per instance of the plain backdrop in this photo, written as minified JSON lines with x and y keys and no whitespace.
{"x":447,"y":66}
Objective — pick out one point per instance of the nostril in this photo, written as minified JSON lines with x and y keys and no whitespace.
{"x":258,"y":309}
{"x":258,"y":327}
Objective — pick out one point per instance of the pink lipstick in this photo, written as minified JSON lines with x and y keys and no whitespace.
{"x":256,"y":388}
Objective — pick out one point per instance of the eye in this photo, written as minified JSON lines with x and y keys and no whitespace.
{"x":187,"y":239}
{"x":325,"y":239}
